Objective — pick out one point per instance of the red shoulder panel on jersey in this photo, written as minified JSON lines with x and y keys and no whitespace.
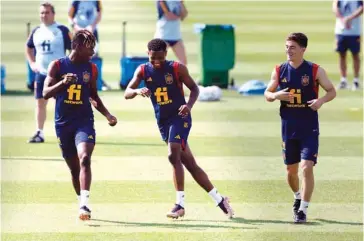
{"x":315,"y":82}
{"x":179,"y":83}
{"x":93,"y":71}
{"x":57,"y":63}
{"x":277,"y":70}
{"x":142,"y":70}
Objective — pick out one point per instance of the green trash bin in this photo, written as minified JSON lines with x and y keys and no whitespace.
{"x":217,"y":53}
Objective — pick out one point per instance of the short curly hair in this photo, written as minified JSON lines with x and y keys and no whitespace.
{"x":84,"y":38}
{"x":157,"y":44}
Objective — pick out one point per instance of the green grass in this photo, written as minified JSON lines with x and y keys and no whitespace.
{"x":163,"y":191}
{"x":247,"y":127}
{"x":201,"y":146}
{"x":267,"y":236}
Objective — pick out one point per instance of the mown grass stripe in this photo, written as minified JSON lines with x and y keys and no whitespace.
{"x":199,"y":129}
{"x":131,"y":218}
{"x":158,"y":168}
{"x":272,"y":191}
{"x":185,"y":236}
{"x":201,"y":146}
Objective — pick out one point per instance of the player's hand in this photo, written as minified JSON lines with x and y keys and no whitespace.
{"x":346,"y":22}
{"x":171,"y":16}
{"x":145,"y":92}
{"x":184,"y":111}
{"x":112,"y":120}
{"x":315,"y":104}
{"x":69,"y":78}
{"x":34,"y":67}
{"x":284,"y":95}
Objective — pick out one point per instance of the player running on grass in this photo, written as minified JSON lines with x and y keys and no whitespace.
{"x":72,"y":81}
{"x":299,"y":82}
{"x":164,"y":85}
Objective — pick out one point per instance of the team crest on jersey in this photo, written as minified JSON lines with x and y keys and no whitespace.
{"x":305,"y":80}
{"x":169,"y":78}
{"x":86,"y":76}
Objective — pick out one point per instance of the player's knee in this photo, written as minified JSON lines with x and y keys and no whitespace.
{"x":85,"y":161}
{"x":342,"y":55}
{"x":41,"y":103}
{"x":307,"y":170}
{"x":173,"y":158}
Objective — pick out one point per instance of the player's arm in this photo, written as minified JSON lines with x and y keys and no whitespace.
{"x":169,"y":15}
{"x":356,"y":13}
{"x":99,"y":14}
{"x":95,"y":98}
{"x":71,"y":13}
{"x":132,"y":89}
{"x":29,"y":52}
{"x":184,"y":11}
{"x":270,"y":92}
{"x":51,"y":83}
{"x":190,"y":83}
{"x":327,"y":85}
{"x":335,"y":9}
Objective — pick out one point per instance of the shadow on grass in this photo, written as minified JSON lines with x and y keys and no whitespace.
{"x":255,"y":221}
{"x":176,"y":224}
{"x":339,"y":222}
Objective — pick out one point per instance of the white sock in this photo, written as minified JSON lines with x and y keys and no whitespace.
{"x":343,"y":79}
{"x":180,"y":198}
{"x":85,"y":195}
{"x":304,"y":206}
{"x":41,"y":133}
{"x":356,"y":80}
{"x":297,"y":195}
{"x":215,"y":195}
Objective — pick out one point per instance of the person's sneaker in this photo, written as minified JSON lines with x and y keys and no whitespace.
{"x":355,"y":86}
{"x":343,"y":85}
{"x":105,"y":86}
{"x":300,"y":217}
{"x":84,"y":213}
{"x":176,"y":212}
{"x":224,"y":205}
{"x":36,"y":138}
{"x":296,"y":206}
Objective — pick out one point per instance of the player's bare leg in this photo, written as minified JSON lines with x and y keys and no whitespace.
{"x":174,"y":157}
{"x":308,"y":183}
{"x":200,"y":176}
{"x":40,"y":117}
{"x":180,"y":52}
{"x":197,"y":173}
{"x":292,"y":177}
{"x":293,"y":182}
{"x":84,"y":151}
{"x":73,"y":164}
{"x":356,"y":65}
{"x":343,"y":72}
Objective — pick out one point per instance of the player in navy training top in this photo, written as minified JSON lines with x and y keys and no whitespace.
{"x":164,"y":85}
{"x":299,"y":81}
{"x":72,"y":81}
